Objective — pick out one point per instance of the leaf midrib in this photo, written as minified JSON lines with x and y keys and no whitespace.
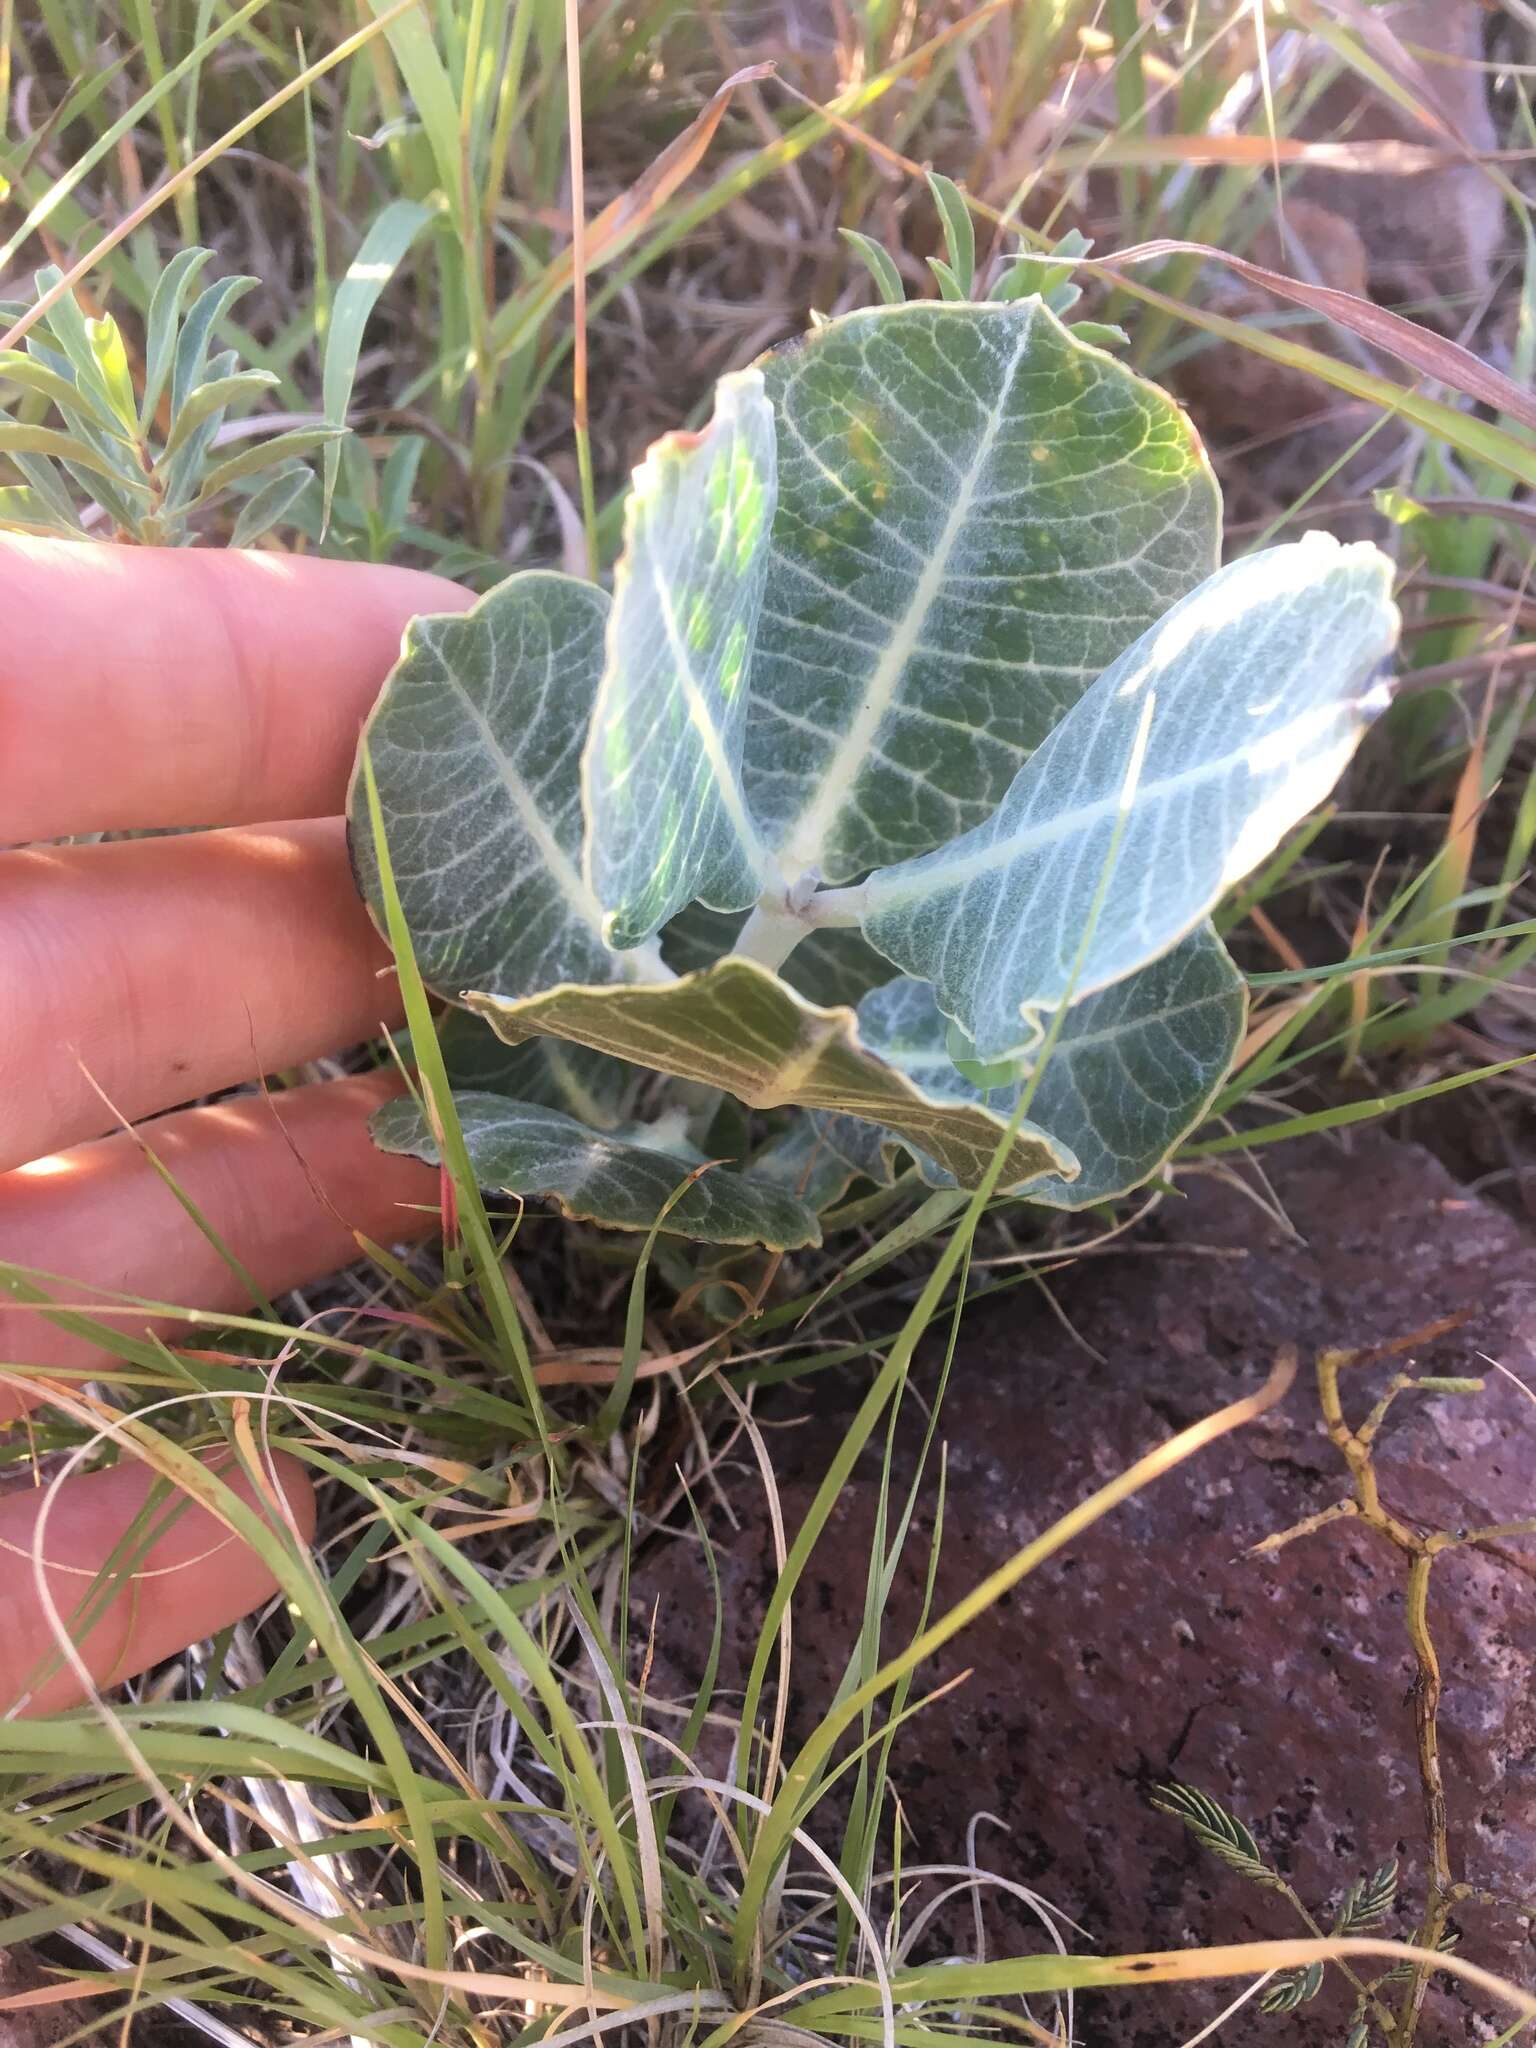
{"x":936,"y":876}
{"x":556,"y":860}
{"x":805,"y":838}
{"x":703,"y":723}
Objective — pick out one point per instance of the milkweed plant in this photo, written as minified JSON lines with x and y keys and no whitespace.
{"x":891,"y":789}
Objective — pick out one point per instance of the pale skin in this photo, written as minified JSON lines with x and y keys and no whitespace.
{"x":144,"y":688}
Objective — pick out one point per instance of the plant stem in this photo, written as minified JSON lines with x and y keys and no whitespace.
{"x":1421,"y":1548}
{"x":838,"y":908}
{"x":699,"y":1103}
{"x":770,"y":936}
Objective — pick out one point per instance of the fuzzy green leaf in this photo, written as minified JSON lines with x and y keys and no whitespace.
{"x":977,"y":514}
{"x":215,"y":396}
{"x":830,"y":966}
{"x":269,"y":504}
{"x":28,"y":374}
{"x":833,"y":967}
{"x":163,"y":324}
{"x":666,"y":819}
{"x":16,"y":439}
{"x":1132,"y":1072}
{"x":69,"y":327}
{"x":24,"y":510}
{"x":1044,"y":276}
{"x":1175,"y":775}
{"x":622,"y":1181}
{"x":948,"y":283}
{"x":880,"y":264}
{"x":476,"y":746}
{"x":43,"y":478}
{"x":1136,"y":1067}
{"x":195,"y":336}
{"x":959,"y":231}
{"x":112,"y":360}
{"x":251,"y":461}
{"x":739,"y":1027}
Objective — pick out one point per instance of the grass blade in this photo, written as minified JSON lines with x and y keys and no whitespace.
{"x":383,"y":250}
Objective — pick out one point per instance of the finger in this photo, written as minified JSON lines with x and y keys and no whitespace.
{"x":174,"y":686}
{"x":169,"y":968}
{"x":285,"y":1181}
{"x":194,"y":1578}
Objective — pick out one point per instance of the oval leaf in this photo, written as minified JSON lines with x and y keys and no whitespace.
{"x":977,"y":514}
{"x":737,"y":1026}
{"x":476,"y":745}
{"x":1136,"y":1067}
{"x":525,"y":1149}
{"x":1131,"y":1073}
{"x":1176,"y":774}
{"x":666,"y":819}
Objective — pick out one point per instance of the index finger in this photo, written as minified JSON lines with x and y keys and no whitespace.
{"x":144,"y":687}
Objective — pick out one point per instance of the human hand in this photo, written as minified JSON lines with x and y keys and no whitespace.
{"x":146,"y":688}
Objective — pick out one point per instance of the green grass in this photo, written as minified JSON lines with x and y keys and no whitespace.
{"x":427,"y":1796}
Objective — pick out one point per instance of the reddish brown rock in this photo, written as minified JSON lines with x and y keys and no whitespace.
{"x":1155,"y":1648}
{"x":41,"y":2025}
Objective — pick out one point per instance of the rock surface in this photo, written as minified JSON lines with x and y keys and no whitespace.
{"x":1154,"y":1647}
{"x":43,"y":2025}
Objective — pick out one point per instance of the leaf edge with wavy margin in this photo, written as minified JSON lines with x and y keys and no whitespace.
{"x":438,"y":638}
{"x":1199,"y":951}
{"x":817,"y":1059}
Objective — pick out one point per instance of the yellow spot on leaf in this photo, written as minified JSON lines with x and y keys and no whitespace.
{"x":699,"y":614}
{"x":733,"y":660}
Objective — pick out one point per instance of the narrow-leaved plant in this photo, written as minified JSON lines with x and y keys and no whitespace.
{"x":94,"y":453}
{"x":899,"y":775}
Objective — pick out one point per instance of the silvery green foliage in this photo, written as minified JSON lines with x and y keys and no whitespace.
{"x":976,"y":514}
{"x":602,"y":1092}
{"x":77,"y":433}
{"x":1129,"y":1072}
{"x":626,"y":1178}
{"x":663,"y":756}
{"x":919,"y":657}
{"x":738,"y":1026}
{"x":1151,"y":796}
{"x":476,"y":747}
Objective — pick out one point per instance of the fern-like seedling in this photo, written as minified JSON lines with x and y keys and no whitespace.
{"x":1367,"y":1902}
{"x":1293,"y":1988}
{"x":1401,"y":1972}
{"x":1218,"y":1831}
{"x":1361,"y":1911}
